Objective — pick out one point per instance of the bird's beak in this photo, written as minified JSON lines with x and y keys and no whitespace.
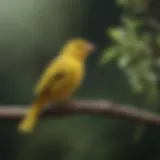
{"x":91,"y":47}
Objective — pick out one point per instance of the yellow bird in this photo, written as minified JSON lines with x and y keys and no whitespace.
{"x":61,"y":78}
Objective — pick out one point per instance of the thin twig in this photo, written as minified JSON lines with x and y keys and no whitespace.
{"x":99,"y":108}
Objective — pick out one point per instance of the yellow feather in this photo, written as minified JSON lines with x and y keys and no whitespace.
{"x":60,"y":79}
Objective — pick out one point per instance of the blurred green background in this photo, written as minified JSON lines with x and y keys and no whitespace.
{"x":31,"y":33}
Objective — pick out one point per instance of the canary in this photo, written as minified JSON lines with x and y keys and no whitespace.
{"x":60,"y":79}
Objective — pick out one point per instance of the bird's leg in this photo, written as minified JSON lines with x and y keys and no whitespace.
{"x":51,"y":105}
{"x":63,"y":104}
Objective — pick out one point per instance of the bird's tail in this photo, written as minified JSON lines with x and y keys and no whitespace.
{"x":31,"y":118}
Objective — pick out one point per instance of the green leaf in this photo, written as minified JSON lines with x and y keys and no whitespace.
{"x":130,"y":23}
{"x":117,"y":34}
{"x":134,"y":80}
{"x":124,"y":61}
{"x":109,"y":55}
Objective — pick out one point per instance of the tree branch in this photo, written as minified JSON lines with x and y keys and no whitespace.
{"x":75,"y":107}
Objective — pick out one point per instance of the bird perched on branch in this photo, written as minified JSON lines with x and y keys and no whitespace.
{"x":60,"y":80}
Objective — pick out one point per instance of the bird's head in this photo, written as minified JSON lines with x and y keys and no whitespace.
{"x":78,"y":48}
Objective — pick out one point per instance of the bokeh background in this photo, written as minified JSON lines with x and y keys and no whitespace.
{"x":31,"y":33}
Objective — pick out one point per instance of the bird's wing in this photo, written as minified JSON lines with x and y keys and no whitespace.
{"x":54,"y":77}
